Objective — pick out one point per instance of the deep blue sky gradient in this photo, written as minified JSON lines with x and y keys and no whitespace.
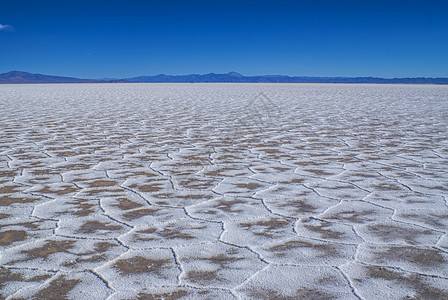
{"x":96,"y":39}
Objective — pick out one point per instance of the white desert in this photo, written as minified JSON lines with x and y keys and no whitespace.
{"x":223,"y":191}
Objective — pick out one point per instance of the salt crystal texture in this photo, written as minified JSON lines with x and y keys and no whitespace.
{"x":223,"y":191}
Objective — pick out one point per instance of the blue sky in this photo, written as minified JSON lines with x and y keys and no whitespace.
{"x":96,"y":39}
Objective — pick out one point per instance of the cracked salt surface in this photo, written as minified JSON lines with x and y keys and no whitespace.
{"x":223,"y":191}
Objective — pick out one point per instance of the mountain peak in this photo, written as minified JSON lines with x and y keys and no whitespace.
{"x":235,"y":74}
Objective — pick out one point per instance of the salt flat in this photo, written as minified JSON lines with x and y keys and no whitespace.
{"x":223,"y":191}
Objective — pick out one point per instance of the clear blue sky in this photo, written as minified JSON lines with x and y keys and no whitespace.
{"x":96,"y":39}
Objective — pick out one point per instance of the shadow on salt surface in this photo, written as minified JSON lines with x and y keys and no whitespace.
{"x":259,"y":113}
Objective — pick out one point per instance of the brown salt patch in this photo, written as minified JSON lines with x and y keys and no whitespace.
{"x":387,"y":187}
{"x":175,"y":196}
{"x":4,"y":216}
{"x":94,"y":226}
{"x":220,"y":172}
{"x":224,"y":260}
{"x":267,"y":226}
{"x":195,"y":196}
{"x":64,"y":190}
{"x":83,"y":208}
{"x":9,"y":174}
{"x":143,"y":173}
{"x":45,"y":171}
{"x":302,"y":293}
{"x":27,"y":157}
{"x":415,"y":282}
{"x":30,"y":225}
{"x":390,"y":233}
{"x":179,"y":294}
{"x":299,"y":206}
{"x":294,"y":180}
{"x":141,"y":212}
{"x":346,"y":160}
{"x":49,"y":248}
{"x":99,"y":247}
{"x":249,"y":186}
{"x":428,"y":218}
{"x":318,"y":172}
{"x":10,"y":189}
{"x":426,"y":258}
{"x":103,"y":246}
{"x":151,"y":188}
{"x":169,"y":232}
{"x":322,"y":250}
{"x":58,"y":289}
{"x":10,"y":236}
{"x":281,"y":169}
{"x":202,"y":276}
{"x":228,"y":205}
{"x":126,"y":204}
{"x":195,"y":160}
{"x":8,"y":276}
{"x":197,"y":163}
{"x":65,"y":153}
{"x":140,"y":264}
{"x":352,"y":216}
{"x":110,"y":191}
{"x":93,"y":258}
{"x":324,"y":230}
{"x":198,"y":183}
{"x":6,"y":200}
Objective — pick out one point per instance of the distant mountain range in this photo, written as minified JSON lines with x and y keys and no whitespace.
{"x":24,"y":77}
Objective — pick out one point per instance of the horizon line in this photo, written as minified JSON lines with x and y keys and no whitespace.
{"x":228,"y":73}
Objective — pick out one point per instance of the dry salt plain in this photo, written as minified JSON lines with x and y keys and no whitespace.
{"x":223,"y":191}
